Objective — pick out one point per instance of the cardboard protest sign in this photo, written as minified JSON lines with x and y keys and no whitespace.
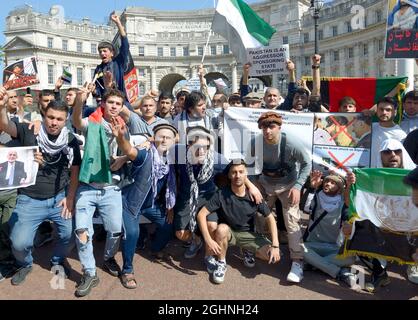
{"x":342,"y":141}
{"x":270,"y":60}
{"x":21,"y":74}
{"x":193,"y":84}
{"x":17,"y":167}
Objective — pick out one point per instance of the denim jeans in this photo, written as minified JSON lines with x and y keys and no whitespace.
{"x":323,"y":256}
{"x":131,"y":229}
{"x":25,"y":220}
{"x":108,"y":202}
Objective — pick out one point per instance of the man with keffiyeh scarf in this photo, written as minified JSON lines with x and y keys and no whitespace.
{"x":53,"y":195}
{"x":196,"y":167}
{"x":152,"y":195}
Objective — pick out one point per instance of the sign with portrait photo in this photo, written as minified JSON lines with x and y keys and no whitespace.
{"x":402,"y":29}
{"x":21,"y":74}
{"x":17,"y":167}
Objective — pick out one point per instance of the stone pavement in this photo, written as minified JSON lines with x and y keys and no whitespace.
{"x":176,"y":278}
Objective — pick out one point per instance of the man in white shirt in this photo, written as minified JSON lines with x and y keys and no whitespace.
{"x":385,"y":129}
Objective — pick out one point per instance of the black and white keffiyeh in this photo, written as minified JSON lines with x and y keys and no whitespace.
{"x":54,"y":148}
{"x":205,"y":173}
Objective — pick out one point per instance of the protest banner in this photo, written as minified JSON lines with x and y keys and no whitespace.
{"x":335,"y":142}
{"x":266,"y":61}
{"x":21,"y":74}
{"x":402,"y":30}
{"x":17,"y":167}
{"x":241,"y":131}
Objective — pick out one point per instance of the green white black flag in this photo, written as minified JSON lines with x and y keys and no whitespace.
{"x":385,"y":218}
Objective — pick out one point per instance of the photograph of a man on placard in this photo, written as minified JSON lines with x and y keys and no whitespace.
{"x":12,"y":172}
{"x":17,"y":167}
{"x":404,"y":15}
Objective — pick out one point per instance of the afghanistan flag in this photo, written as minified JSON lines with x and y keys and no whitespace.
{"x":384,"y":216}
{"x":241,"y":26}
{"x":365,"y":91}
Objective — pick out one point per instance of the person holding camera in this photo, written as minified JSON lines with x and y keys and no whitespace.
{"x":273,"y":158}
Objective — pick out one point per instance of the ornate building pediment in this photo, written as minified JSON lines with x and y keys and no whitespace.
{"x":18,"y":43}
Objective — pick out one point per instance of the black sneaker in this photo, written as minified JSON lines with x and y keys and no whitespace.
{"x":249,"y":259}
{"x":20,"y":275}
{"x":86,"y":284}
{"x":381,"y":280}
{"x":112,"y":267}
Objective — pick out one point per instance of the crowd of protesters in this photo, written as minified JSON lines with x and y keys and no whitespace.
{"x":178,"y":179}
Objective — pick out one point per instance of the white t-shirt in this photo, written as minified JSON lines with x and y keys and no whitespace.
{"x":380,"y":134}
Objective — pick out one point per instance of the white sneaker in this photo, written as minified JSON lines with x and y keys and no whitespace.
{"x":219,"y":273}
{"x":412,"y":272}
{"x":296,"y":273}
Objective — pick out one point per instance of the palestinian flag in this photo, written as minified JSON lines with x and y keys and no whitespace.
{"x":95,"y":166}
{"x":384,"y":216}
{"x":365,"y":91}
{"x":241,"y":26}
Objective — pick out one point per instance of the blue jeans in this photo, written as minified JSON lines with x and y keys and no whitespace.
{"x":131,"y":229}
{"x":28,"y":214}
{"x":108,"y":202}
{"x":323,"y":256}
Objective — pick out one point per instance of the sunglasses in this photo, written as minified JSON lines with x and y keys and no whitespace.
{"x":389,"y":152}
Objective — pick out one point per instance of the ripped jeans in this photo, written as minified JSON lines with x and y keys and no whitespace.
{"x":108,"y":202}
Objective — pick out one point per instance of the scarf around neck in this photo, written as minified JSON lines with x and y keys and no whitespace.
{"x":54,"y":148}
{"x":205,"y":173}
{"x":160,"y":169}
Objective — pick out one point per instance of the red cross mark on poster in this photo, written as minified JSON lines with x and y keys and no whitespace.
{"x":343,"y":129}
{"x":341,"y":164}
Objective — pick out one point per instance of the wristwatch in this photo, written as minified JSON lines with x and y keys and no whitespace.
{"x":315,"y":66}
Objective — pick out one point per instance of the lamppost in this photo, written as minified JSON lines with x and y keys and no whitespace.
{"x":316,"y":6}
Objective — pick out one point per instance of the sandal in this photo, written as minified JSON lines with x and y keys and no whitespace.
{"x":128,"y":281}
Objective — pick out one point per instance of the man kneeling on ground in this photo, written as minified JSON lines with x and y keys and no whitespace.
{"x":237,"y":212}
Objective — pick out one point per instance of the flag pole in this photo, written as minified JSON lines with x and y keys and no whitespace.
{"x":206,"y":46}
{"x":209,"y":36}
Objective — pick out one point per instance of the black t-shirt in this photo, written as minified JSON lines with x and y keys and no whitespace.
{"x":237,"y":212}
{"x":54,"y":176}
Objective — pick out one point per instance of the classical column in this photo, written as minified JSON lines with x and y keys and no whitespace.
{"x":357,"y":70}
{"x":234,"y":77}
{"x":153,"y":79}
{"x":372,"y":59}
{"x":328,"y":63}
{"x":343,"y":54}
